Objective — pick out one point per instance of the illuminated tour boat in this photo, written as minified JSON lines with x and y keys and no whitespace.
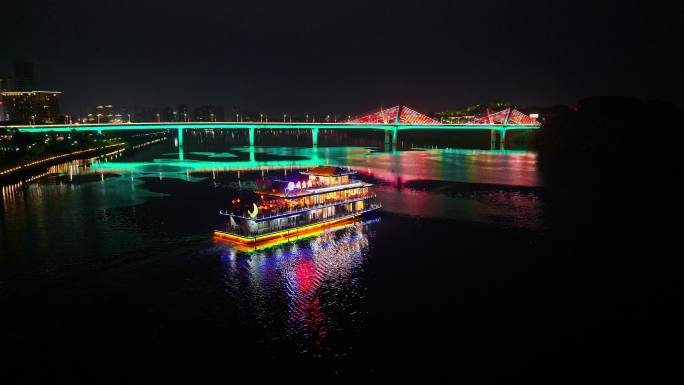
{"x":322,"y":198}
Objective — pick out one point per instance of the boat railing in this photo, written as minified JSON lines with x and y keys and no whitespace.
{"x":274,"y":212}
{"x":272,"y":229}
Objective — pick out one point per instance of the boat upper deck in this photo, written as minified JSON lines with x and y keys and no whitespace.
{"x":325,"y":187}
{"x":294,"y":192}
{"x":321,"y":180}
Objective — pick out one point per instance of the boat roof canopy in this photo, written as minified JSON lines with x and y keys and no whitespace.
{"x":328,"y":171}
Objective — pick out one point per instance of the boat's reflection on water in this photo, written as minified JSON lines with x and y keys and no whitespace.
{"x":319,"y":277}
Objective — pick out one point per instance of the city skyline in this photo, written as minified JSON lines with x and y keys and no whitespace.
{"x":322,"y":58}
{"x":22,"y":103}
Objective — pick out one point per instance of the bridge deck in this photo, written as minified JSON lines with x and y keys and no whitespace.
{"x":263,"y":125}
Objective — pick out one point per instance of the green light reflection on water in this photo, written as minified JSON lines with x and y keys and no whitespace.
{"x":303,"y":157}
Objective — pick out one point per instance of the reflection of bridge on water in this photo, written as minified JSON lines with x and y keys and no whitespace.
{"x":390,"y":164}
{"x":390,"y":120}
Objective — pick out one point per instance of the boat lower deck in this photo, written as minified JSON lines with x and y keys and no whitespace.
{"x":246,"y":243}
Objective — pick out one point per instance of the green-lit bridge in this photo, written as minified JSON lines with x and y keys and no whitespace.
{"x":391,"y":121}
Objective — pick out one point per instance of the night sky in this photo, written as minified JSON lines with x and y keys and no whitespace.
{"x":320,"y":56}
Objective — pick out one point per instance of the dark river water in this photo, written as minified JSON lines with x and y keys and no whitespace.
{"x":458,"y":275}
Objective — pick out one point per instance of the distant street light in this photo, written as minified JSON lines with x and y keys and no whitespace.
{"x":261,"y":117}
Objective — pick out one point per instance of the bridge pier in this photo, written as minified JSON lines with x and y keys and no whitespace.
{"x":492,"y":139}
{"x":180,"y":143}
{"x":251,"y":136}
{"x":314,"y":136}
{"x":388,"y":140}
{"x":395,"y":135}
{"x":502,"y":142}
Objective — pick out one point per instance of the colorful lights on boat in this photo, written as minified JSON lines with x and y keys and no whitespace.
{"x":253,"y":214}
{"x":275,"y":239}
{"x":299,"y":185}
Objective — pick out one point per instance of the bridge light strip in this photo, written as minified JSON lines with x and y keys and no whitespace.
{"x":280,"y":126}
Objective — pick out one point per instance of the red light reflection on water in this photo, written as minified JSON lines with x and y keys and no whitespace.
{"x":504,"y":168}
{"x":319,"y":277}
{"x":463,"y":185}
{"x":305,"y":308}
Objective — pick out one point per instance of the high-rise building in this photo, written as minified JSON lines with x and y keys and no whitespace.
{"x":24,"y":76}
{"x":31,"y":107}
{"x":183,"y":113}
{"x":144,"y":114}
{"x":103,"y":113}
{"x":208,"y":113}
{"x":167,"y":114}
{"x":5,"y":85}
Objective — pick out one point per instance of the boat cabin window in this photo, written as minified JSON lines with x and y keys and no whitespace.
{"x":330,"y":180}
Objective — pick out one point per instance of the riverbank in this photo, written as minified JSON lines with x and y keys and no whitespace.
{"x":32,"y":165}
{"x":28,"y":167}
